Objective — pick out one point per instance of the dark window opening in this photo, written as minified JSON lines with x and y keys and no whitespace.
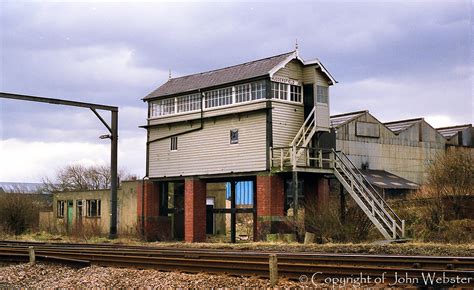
{"x":234,"y":136}
{"x":174,"y":143}
{"x":93,"y":207}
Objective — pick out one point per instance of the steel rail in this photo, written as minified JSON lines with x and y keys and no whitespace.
{"x":448,"y":263}
{"x":290,"y":265}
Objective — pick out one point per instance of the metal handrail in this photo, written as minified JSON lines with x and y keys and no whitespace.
{"x":301,"y":130}
{"x":368,"y":183}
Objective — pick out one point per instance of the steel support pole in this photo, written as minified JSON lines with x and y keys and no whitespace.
{"x":113,"y":175}
{"x":295,"y":200}
{"x":232,"y":215}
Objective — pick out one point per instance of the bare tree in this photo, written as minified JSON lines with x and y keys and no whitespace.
{"x":80,"y":177}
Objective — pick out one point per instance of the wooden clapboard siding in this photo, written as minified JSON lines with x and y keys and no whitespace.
{"x":322,"y":110}
{"x":287,"y":118}
{"x":292,"y":70}
{"x":212,"y":112}
{"x":208,"y":151}
{"x":322,"y":117}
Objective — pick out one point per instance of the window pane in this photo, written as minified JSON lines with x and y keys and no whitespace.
{"x":162,"y":107}
{"x":295,"y":93}
{"x":220,"y":97}
{"x":279,"y":91}
{"x":189,"y":103}
{"x":234,"y":136}
{"x":322,"y":94}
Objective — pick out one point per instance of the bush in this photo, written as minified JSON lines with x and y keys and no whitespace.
{"x":439,"y":211}
{"x":327,"y":223}
{"x":18,"y":213}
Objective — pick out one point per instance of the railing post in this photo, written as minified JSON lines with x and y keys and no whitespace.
{"x":271,"y":156}
{"x":320,"y":158}
{"x":403,"y":228}
{"x":293,"y":157}
{"x":281,"y":159}
{"x":394,"y":230}
{"x":307,"y":157}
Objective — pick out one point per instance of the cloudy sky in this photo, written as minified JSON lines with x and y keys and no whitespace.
{"x":398,"y":59}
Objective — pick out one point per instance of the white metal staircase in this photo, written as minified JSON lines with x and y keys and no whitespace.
{"x":299,"y":155}
{"x":306,"y":132}
{"x":369,"y":200}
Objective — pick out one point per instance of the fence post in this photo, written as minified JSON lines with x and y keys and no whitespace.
{"x":273,"y":269}
{"x":31,"y":251}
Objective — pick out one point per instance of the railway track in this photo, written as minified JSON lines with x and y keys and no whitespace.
{"x":290,"y":265}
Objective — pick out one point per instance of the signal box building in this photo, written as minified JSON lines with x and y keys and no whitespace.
{"x":264,"y":122}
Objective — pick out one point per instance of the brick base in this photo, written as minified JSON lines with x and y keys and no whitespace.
{"x":154,"y":226}
{"x":270,"y":205}
{"x":194,"y":210}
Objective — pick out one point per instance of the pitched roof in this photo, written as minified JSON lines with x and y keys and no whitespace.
{"x":449,"y":132}
{"x":236,"y":73}
{"x":221,"y":76}
{"x":22,"y":187}
{"x":399,"y":126}
{"x":341,"y":119}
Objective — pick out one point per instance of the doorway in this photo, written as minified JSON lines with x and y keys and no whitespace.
{"x":308,"y":99}
{"x":210,"y":215}
{"x":70,"y":213}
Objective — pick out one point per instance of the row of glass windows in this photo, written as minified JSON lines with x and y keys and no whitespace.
{"x":92,"y":207}
{"x":236,"y":94}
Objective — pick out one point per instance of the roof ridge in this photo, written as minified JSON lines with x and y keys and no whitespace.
{"x":455,"y":126}
{"x":231,"y":66}
{"x":406,"y":120}
{"x":350,"y":113}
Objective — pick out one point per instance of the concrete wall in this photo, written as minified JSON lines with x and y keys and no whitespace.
{"x":126,"y":211}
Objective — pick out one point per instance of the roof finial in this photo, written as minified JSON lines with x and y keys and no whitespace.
{"x":296,"y":46}
{"x":169,"y":76}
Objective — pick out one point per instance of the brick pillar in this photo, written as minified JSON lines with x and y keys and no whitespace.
{"x":316,"y":196}
{"x":270,"y":203}
{"x":150,"y":192}
{"x":322,"y":191}
{"x":316,"y":190}
{"x":194,"y":210}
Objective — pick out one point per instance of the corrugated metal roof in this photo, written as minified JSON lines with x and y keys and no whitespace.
{"x":218,"y":77}
{"x":399,"y":126}
{"x":384,"y":179}
{"x":449,"y":132}
{"x":23,"y":187}
{"x":341,"y":119}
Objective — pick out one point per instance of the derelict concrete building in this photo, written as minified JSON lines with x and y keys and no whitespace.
{"x":265,"y":121}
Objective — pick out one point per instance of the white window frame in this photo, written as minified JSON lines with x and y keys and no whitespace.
{"x":325,"y":96}
{"x":60,"y":210}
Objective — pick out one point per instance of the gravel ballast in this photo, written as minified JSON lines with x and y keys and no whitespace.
{"x":58,"y":276}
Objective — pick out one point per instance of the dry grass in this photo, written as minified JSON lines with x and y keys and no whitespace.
{"x":409,"y":248}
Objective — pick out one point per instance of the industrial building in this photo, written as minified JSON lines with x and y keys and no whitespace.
{"x":394,"y":156}
{"x":265,"y":122}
